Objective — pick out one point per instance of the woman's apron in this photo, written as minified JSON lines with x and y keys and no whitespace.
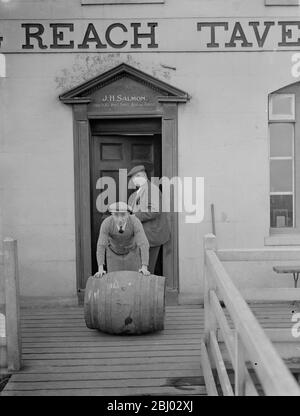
{"x":130,"y":261}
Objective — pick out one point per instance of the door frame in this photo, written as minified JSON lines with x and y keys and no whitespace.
{"x":83,"y":110}
{"x":82,"y":179}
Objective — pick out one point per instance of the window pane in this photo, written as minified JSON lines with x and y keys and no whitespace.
{"x":281,"y":176}
{"x":281,"y":211}
{"x":281,"y":139}
{"x":282,"y":105}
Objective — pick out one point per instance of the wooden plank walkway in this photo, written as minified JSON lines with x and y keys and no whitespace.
{"x":63,"y":357}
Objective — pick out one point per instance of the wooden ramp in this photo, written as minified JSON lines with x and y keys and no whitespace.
{"x":278,"y":320}
{"x":63,"y":357}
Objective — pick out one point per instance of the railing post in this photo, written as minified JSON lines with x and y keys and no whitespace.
{"x":240,"y":372}
{"x":210,"y":322}
{"x":12,"y":314}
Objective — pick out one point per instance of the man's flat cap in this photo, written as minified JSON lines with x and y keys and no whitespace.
{"x":136,"y":169}
{"x":120,"y":207}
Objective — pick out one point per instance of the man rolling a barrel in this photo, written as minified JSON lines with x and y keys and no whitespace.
{"x":123,"y":240}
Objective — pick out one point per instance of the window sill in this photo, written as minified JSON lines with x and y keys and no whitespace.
{"x":281,"y":2}
{"x":283,"y":240}
{"x":96,"y":2}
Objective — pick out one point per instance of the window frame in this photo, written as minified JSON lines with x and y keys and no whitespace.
{"x":295,"y":90}
{"x":292,"y":158}
{"x":282,"y":118}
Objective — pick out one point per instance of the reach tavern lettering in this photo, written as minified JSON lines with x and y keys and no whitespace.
{"x":177,"y":35}
{"x":290,"y":33}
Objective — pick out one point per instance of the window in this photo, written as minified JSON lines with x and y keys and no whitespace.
{"x":282,"y":160}
{"x":93,"y":2}
{"x":282,"y":107}
{"x":282,"y":2}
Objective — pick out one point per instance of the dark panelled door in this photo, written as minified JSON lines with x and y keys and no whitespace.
{"x":114,"y":151}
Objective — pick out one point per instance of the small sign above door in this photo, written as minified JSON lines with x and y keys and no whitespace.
{"x":125,"y":94}
{"x":125,"y":99}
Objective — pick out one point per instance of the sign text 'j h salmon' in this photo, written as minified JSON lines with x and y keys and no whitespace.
{"x":163,"y":35}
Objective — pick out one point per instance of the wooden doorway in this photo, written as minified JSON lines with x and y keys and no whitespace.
{"x":123,"y":93}
{"x":121,"y":144}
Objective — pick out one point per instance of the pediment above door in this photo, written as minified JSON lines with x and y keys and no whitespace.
{"x":124,"y":89}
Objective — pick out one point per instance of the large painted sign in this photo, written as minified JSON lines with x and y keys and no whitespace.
{"x":163,"y":35}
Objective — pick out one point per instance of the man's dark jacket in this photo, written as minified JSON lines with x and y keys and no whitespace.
{"x":147,"y":207}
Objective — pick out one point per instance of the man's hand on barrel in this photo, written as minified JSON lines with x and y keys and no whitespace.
{"x":144,"y":270}
{"x":100,"y":272}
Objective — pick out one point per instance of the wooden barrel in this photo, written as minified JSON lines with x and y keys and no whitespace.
{"x":125,"y":302}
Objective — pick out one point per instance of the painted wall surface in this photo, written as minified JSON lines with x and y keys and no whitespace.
{"x":222,"y":136}
{"x":37,"y":177}
{"x":227,"y":121}
{"x":72,"y":8}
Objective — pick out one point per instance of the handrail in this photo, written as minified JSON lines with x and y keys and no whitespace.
{"x":261,"y":254}
{"x":247,"y":341}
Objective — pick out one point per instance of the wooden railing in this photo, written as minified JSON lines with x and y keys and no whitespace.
{"x":267,"y":294}
{"x":11,"y":309}
{"x":247,"y":344}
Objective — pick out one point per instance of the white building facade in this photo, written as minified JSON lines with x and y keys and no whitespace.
{"x":221,"y":101}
